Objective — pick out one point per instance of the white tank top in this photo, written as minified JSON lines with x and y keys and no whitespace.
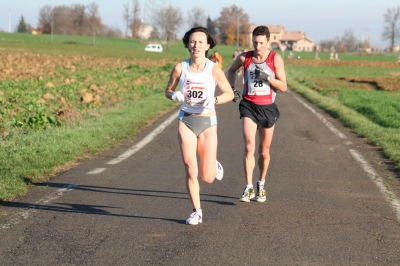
{"x":197,"y":87}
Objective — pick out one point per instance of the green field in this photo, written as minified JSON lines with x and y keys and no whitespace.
{"x":46,"y":127}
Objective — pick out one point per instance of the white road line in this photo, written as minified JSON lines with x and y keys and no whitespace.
{"x":387,"y":194}
{"x":20,"y":216}
{"x":96,"y":171}
{"x":144,"y":141}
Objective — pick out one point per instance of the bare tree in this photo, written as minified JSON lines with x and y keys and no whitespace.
{"x":111,"y":32}
{"x":79,"y":19}
{"x":168,"y":21}
{"x":327,"y":45}
{"x":212,"y":26}
{"x":136,"y":20}
{"x":233,"y":23}
{"x":44,"y":24}
{"x":391,"y":30}
{"x":127,"y":18}
{"x":348,"y":42}
{"x":63,"y":20}
{"x":94,"y":19}
{"x":197,"y":17}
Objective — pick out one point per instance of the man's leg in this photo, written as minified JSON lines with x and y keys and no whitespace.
{"x":249,"y":135}
{"x":266,"y":135}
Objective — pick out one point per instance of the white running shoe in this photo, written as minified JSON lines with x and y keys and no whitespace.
{"x":248,"y":194}
{"x":194,"y":219}
{"x":220,"y":171}
{"x":261,"y":194}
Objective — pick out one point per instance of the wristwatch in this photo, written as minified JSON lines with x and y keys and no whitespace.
{"x":268,"y":77}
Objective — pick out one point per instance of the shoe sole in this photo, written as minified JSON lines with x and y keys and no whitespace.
{"x":246,"y":199}
{"x":199,"y":222}
{"x":260,"y":200}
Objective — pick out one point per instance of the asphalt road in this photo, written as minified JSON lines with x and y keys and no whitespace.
{"x":322,"y":208}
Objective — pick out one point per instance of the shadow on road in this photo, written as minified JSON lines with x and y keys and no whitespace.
{"x":102,"y":209}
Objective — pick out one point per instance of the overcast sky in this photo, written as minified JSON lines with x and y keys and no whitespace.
{"x":319,"y":19}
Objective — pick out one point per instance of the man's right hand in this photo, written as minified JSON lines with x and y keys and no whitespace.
{"x":261,"y":74}
{"x":178,"y":96}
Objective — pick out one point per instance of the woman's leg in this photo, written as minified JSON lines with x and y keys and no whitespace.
{"x":188,"y":143}
{"x":207,"y":148}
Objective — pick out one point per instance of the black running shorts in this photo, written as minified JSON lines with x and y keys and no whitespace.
{"x":264,"y":116}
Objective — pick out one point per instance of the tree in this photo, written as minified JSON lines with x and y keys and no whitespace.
{"x":94,"y":19}
{"x":168,"y":21}
{"x":213,"y":29}
{"x":75,"y":20}
{"x":79,"y":19}
{"x":22,"y":28}
{"x":231,"y":19}
{"x":62,"y":20}
{"x":348,"y":42}
{"x":391,"y":30}
{"x":197,"y":17}
{"x":136,"y":20}
{"x":111,"y":32}
{"x":44,"y":24}
{"x":127,"y":18}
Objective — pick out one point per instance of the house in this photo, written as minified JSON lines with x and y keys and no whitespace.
{"x":145,"y":31}
{"x":294,"y":40}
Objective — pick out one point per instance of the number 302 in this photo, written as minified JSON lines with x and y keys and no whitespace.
{"x":195,"y":94}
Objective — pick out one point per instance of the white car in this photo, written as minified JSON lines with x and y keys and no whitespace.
{"x":153,"y":47}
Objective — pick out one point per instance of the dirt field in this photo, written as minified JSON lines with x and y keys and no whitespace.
{"x":45,"y":86}
{"x":25,"y":65}
{"x":360,"y":63}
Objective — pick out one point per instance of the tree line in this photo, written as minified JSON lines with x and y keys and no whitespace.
{"x":78,"y":19}
{"x":233,"y":22}
{"x":231,"y":27}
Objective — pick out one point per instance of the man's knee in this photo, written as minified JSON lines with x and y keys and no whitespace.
{"x":250,"y":148}
{"x":265,"y":153}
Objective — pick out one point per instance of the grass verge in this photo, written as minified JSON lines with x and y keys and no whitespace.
{"x":37,"y":155}
{"x":387,"y":138}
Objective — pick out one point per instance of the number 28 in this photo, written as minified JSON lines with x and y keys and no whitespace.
{"x":258,"y":83}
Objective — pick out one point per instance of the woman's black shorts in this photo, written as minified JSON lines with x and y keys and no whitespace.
{"x":264,"y":116}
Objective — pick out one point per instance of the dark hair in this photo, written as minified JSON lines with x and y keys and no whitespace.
{"x":261,"y":30}
{"x":210,"y":40}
